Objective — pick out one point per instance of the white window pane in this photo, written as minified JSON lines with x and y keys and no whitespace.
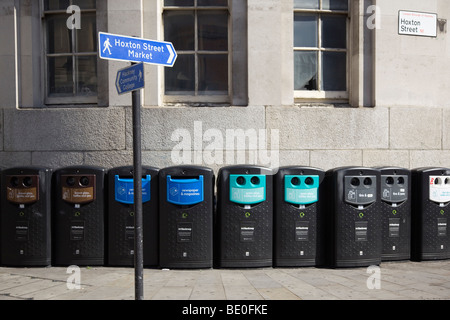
{"x":60,"y":71}
{"x":180,"y":79}
{"x":59,"y":37}
{"x":305,"y":30}
{"x":213,"y":74}
{"x":87,"y":35}
{"x":306,"y":4}
{"x":179,"y":29}
{"x":179,"y":3}
{"x":335,"y":4}
{"x":56,"y":4}
{"x":334,"y":71}
{"x":87,"y":76}
{"x":85,"y":4}
{"x":305,"y":70}
{"x":206,"y":3}
{"x":213,"y":30}
{"x":334,"y":31}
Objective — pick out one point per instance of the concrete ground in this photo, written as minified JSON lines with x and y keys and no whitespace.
{"x":392,"y":281}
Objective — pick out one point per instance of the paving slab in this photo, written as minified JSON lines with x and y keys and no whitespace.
{"x":405,"y":280}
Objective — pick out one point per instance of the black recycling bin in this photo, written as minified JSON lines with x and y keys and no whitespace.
{"x":120,"y":217}
{"x":430,"y":238}
{"x":396,"y":213}
{"x":25,"y":217}
{"x":296,"y":213}
{"x":352,"y":217}
{"x":79,"y":216}
{"x":244,"y":218}
{"x":186,"y":216}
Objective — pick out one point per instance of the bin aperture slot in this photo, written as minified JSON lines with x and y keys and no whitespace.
{"x":247,"y":188}
{"x":124,"y":189}
{"x":22,"y":189}
{"x":78,"y":188}
{"x":360,"y":190}
{"x":185,"y":192}
{"x":301,"y":190}
{"x":439,"y":189}
{"x":394,"y":188}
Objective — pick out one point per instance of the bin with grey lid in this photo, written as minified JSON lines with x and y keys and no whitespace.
{"x":244,"y":217}
{"x":121,"y":220}
{"x":352,"y":217}
{"x":79,"y":216}
{"x":395,"y":205}
{"x":430,"y":239}
{"x":25,"y":234}
{"x":296,"y":213}
{"x":186,"y":204}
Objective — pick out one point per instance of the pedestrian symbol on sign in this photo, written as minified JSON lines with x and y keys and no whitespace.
{"x":107,"y":46}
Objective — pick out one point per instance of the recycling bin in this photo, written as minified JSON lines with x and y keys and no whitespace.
{"x":186,"y":216}
{"x":396,"y":213}
{"x":25,"y":222}
{"x":430,"y":209}
{"x":121,"y":220}
{"x":296,"y":213}
{"x":352,"y":217}
{"x":244,"y":217}
{"x":79,"y":216}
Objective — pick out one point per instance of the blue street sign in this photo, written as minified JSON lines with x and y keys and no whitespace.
{"x":124,"y":48}
{"x":130,"y":78}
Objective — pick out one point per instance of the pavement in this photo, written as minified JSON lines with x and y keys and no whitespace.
{"x":405,"y":280}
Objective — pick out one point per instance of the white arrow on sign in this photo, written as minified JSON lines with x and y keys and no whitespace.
{"x":172,"y":54}
{"x":119,"y":89}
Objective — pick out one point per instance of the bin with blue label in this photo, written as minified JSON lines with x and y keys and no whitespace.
{"x":186,"y":216}
{"x":396,"y":213}
{"x":296,"y":213}
{"x":351,"y":217}
{"x":120,"y":231}
{"x":244,"y":218}
{"x":25,"y":216}
{"x":430,"y":238}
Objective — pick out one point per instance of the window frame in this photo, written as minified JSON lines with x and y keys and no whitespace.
{"x":194,"y":96}
{"x":75,"y":99}
{"x":322,"y":95}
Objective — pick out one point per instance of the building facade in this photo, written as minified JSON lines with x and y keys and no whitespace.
{"x":322,"y":83}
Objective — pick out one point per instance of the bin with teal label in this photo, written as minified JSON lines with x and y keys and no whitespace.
{"x":186,"y":216}
{"x":244,"y":218}
{"x":296,"y":214}
{"x":121,"y":216}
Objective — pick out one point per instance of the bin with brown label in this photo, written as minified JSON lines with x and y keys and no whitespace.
{"x":26,"y":216}
{"x":79,"y":217}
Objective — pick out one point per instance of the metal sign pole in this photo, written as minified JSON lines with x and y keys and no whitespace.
{"x":137,"y":178}
{"x":115,"y":47}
